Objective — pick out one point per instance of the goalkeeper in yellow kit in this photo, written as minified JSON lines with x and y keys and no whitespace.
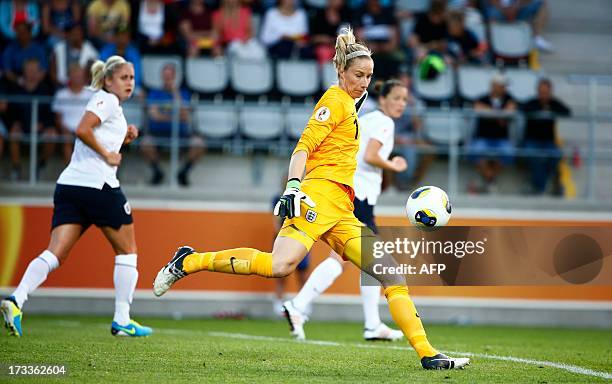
{"x":320,"y":206}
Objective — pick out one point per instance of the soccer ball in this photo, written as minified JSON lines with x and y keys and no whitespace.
{"x":428,"y":207}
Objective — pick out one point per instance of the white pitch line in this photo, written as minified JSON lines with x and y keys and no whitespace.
{"x":565,"y":367}
{"x":551,"y":364}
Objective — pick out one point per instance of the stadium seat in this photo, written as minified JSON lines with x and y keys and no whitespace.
{"x":261,"y":122}
{"x":206,"y":75}
{"x":328,"y":75}
{"x":413,"y":6}
{"x":474,"y":82}
{"x":134,"y":114}
{"x":152,"y":66}
{"x":216,"y":121}
{"x":511,"y":40}
{"x":297,"y":117}
{"x":445,"y":128}
{"x":573,"y":132}
{"x":440,"y":89}
{"x":317,"y":3}
{"x":297,"y":77}
{"x":522,"y":84}
{"x":251,"y":77}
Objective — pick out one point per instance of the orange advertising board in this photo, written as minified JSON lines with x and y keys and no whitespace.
{"x":24,"y":233}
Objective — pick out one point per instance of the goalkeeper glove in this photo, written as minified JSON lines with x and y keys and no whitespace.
{"x":289,"y":204}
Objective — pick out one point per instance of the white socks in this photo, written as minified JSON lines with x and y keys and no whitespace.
{"x":124,"y":277}
{"x":370,"y":296}
{"x":320,"y":279}
{"x":35,"y":275}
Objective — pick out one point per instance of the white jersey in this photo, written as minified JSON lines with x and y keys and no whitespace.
{"x":87,"y":168}
{"x":368,"y":178}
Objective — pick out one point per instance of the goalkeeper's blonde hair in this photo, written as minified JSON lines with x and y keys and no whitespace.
{"x":348,"y":49}
{"x":101,"y":70}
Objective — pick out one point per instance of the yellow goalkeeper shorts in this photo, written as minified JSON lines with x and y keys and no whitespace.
{"x":332,"y":219}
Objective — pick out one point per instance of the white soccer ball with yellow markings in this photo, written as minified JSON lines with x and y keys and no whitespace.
{"x":428,"y":207}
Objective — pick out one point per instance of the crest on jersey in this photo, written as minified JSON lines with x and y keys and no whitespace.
{"x":322,"y":114}
{"x":99,"y":103}
{"x":127,"y":208}
{"x":310,"y":216}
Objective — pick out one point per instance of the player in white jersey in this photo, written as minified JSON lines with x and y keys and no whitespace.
{"x":377,"y":138}
{"x":88,"y":192}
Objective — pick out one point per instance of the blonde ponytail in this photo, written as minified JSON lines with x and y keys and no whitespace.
{"x":348,"y":49}
{"x":101,"y":70}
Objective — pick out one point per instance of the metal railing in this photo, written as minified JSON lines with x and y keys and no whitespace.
{"x":594,"y":144}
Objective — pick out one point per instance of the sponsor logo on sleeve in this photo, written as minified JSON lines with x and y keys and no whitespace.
{"x":322,"y":114}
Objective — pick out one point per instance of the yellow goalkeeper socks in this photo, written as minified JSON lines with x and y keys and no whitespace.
{"x":239,"y":261}
{"x":405,"y":315}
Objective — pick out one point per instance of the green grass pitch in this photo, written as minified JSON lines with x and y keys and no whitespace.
{"x":256,"y":351}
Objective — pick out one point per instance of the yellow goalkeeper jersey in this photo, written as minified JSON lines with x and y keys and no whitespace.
{"x":331,"y":138}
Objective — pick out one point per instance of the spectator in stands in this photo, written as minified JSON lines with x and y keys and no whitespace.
{"x":232,"y":25}
{"x":122,"y":45}
{"x":491,"y":147}
{"x":20,"y":50}
{"x":57,"y":17}
{"x":284,"y":31}
{"x":69,"y":105}
{"x":15,"y":12}
{"x":463,"y":45}
{"x":197,"y":30}
{"x":161,"y":108}
{"x":355,"y":5}
{"x":33,"y":84}
{"x":104,"y":17}
{"x":156,"y":23}
{"x":540,"y":135}
{"x":75,"y":49}
{"x":377,"y":26}
{"x":533,"y":11}
{"x":324,"y":26}
{"x":430,"y":31}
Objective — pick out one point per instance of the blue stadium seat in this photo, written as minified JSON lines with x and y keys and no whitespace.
{"x":297,"y":77}
{"x":134,"y":114}
{"x":511,"y":40}
{"x":474,"y":82}
{"x":440,"y":89}
{"x":207,"y":75}
{"x":261,"y":122}
{"x":328,"y":75}
{"x":216,"y":121}
{"x":414,"y":6}
{"x":251,"y":77}
{"x":297,"y":117}
{"x":443,"y":128}
{"x":522,"y":84}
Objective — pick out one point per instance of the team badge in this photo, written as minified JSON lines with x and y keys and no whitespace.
{"x":127,"y":208}
{"x":310,"y":216}
{"x":322,"y":114}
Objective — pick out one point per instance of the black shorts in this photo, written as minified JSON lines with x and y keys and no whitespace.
{"x":107,"y":207}
{"x":364,"y":212}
